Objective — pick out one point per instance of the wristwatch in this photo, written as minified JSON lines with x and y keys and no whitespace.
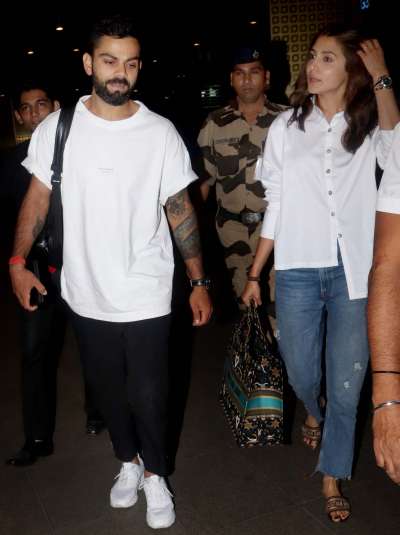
{"x":383,"y":82}
{"x":200,"y":282}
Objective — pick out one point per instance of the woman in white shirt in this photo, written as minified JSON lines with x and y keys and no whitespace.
{"x":318,"y":169}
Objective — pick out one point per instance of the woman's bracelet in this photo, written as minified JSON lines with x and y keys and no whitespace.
{"x":386,"y":404}
{"x":253,"y":279}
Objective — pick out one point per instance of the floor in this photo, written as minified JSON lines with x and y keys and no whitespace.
{"x":219,"y":488}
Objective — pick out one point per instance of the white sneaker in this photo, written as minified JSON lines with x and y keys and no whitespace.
{"x":129,"y":481}
{"x":160,"y":507}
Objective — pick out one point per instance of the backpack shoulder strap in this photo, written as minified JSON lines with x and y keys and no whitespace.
{"x":63,"y":128}
{"x":54,"y":223}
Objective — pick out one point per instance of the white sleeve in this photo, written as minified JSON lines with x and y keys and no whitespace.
{"x":177,"y":171}
{"x":389,"y":189}
{"x":383,"y":140}
{"x":271,"y":175}
{"x":41,"y":147}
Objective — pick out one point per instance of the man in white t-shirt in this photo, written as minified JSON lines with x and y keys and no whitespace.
{"x":122,"y":165}
{"x":384,"y":318}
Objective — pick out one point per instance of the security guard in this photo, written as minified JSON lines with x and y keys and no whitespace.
{"x":232,"y":140}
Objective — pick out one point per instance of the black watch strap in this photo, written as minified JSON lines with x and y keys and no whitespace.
{"x":200,"y":282}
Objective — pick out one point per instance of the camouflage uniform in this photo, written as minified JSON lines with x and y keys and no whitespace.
{"x":230,"y":147}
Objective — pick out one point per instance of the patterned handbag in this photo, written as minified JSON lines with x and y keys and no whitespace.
{"x":252,"y":386}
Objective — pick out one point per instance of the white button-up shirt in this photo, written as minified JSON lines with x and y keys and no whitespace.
{"x":320,"y":195}
{"x":389,"y":190}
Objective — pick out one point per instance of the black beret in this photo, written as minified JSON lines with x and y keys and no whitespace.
{"x":246,"y":54}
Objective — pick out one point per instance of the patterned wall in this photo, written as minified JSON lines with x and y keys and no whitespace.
{"x":296,"y":21}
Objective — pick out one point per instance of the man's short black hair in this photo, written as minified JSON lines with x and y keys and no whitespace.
{"x":30,"y":85}
{"x":117,"y":26}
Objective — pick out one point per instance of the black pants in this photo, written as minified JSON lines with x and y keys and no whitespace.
{"x":126,"y":366}
{"x":42,"y":338}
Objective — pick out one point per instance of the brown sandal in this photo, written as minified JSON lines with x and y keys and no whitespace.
{"x":335,"y":504}
{"x":311,"y":433}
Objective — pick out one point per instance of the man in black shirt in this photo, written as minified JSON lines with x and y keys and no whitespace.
{"x":32,"y":105}
{"x":42,"y":331}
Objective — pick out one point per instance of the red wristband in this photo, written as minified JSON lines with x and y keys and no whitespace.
{"x":15,"y":260}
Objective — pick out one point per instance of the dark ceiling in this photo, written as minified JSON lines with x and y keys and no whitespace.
{"x":168,"y":30}
{"x":168,"y":33}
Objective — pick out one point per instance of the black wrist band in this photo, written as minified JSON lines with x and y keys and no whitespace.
{"x":200,"y":282}
{"x":385,"y":371}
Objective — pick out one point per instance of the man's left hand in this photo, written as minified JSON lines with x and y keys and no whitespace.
{"x":201,"y":306}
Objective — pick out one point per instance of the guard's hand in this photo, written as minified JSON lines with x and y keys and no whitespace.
{"x":23,"y":281}
{"x":372,"y":56}
{"x":252,"y":294}
{"x":386,"y":430}
{"x":201,"y":306}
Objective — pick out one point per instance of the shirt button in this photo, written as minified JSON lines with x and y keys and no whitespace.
{"x":340,"y":235}
{"x":332,"y":214}
{"x":328,"y":171}
{"x":328,"y":151}
{"x":329,"y":129}
{"x":329,"y":192}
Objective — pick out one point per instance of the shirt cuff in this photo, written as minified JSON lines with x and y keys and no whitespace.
{"x":390,"y":205}
{"x":269,"y":224}
{"x":178,"y":186}
{"x":35,"y":169}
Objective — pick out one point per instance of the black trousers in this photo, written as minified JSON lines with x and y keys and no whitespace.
{"x":126,"y":367}
{"x":42,"y":339}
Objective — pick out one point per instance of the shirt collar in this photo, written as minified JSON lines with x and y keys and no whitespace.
{"x":235,"y":107}
{"x":317,"y":115}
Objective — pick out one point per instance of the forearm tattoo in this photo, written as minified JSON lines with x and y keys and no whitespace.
{"x":176,"y":205}
{"x":37,"y":227}
{"x":187,"y":237}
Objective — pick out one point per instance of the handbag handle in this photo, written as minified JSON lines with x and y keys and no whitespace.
{"x":251,"y":319}
{"x":253,"y":316}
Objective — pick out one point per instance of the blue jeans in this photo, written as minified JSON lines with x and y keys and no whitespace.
{"x":305,"y":299}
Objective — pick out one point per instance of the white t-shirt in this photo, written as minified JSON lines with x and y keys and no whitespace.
{"x":118,"y":259}
{"x":320,"y":195}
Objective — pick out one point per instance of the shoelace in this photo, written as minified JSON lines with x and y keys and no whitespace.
{"x":157,"y":491}
{"x":124,"y":474}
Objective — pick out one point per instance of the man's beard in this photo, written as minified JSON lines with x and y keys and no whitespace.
{"x":115,"y":98}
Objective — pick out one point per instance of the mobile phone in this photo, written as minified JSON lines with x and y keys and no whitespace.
{"x":36,"y":298}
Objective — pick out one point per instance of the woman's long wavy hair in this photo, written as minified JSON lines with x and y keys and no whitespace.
{"x":360,"y":105}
